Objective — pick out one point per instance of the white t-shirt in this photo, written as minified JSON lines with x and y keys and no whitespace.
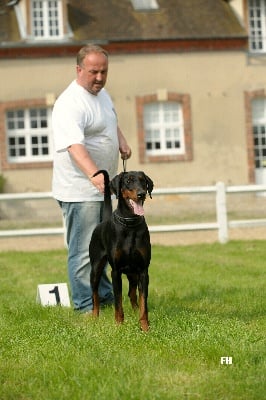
{"x":80,"y":117}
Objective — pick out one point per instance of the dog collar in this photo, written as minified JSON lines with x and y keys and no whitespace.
{"x":129,"y":222}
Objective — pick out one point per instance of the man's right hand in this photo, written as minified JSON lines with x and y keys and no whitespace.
{"x":98,"y":182}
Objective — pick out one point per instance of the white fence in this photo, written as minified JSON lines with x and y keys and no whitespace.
{"x":222,"y":223}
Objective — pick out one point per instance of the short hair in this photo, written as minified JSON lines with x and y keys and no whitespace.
{"x":89,"y":48}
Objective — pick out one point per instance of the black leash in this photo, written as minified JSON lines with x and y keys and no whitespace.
{"x":125,"y":165}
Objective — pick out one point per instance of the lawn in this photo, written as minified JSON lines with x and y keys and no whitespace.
{"x":205,"y":302}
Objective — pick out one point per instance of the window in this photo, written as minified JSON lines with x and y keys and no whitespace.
{"x":29,"y":135}
{"x":259,"y":131}
{"x":257,"y":25}
{"x":145,"y":4}
{"x":46,"y":17}
{"x":164,"y":128}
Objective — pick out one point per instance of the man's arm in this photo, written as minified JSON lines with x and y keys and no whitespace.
{"x":85,"y":163}
{"x":124,"y":148}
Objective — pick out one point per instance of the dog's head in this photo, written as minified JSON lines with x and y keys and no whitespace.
{"x":133,"y":187}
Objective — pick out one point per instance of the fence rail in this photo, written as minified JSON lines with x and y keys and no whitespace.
{"x":222,"y":223}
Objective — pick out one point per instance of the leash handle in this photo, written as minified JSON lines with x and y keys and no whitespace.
{"x":125,"y":165}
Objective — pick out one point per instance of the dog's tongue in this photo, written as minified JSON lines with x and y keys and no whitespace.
{"x":137,"y":207}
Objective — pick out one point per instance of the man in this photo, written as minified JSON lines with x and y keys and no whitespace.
{"x":86,"y":139}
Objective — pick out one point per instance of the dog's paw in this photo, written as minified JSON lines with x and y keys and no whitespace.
{"x":144,"y":325}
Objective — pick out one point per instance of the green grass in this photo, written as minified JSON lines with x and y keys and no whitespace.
{"x":205,"y":302}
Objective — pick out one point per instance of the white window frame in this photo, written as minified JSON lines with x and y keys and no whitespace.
{"x":259,"y":131}
{"x":141,"y":5}
{"x":29,"y":135}
{"x":47,"y":19}
{"x":257,"y":25}
{"x":164,"y":128}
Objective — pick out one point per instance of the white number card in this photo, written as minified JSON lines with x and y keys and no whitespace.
{"x":53,"y":294}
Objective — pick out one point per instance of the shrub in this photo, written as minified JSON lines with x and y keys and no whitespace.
{"x":2,"y":183}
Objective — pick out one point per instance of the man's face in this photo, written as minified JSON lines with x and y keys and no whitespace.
{"x":92,"y":74}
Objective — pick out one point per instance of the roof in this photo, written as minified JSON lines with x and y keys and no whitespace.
{"x":116,"y":21}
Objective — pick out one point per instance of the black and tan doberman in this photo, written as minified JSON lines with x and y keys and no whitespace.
{"x":123,"y":240}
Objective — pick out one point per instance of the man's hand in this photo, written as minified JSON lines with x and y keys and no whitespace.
{"x":98,"y":182}
{"x":124,"y":148}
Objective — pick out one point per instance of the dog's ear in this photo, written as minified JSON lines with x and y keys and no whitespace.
{"x":115,"y":185}
{"x":149,"y":183}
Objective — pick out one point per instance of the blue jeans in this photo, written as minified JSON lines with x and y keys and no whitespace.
{"x":80,"y":220}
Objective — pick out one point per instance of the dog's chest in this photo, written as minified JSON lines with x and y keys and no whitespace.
{"x":133,"y":253}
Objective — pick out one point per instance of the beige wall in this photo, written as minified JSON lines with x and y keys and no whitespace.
{"x":212,"y":81}
{"x":215,"y":81}
{"x":28,"y":180}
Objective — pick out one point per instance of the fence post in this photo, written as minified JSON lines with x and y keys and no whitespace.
{"x":221,"y":212}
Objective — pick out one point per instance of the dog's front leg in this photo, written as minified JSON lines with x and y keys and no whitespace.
{"x":96,"y":304}
{"x":96,"y":272}
{"x":132,"y":291}
{"x":143,"y":300}
{"x":117,"y":287}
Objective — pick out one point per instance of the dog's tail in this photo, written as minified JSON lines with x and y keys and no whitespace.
{"x":107,"y":209}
